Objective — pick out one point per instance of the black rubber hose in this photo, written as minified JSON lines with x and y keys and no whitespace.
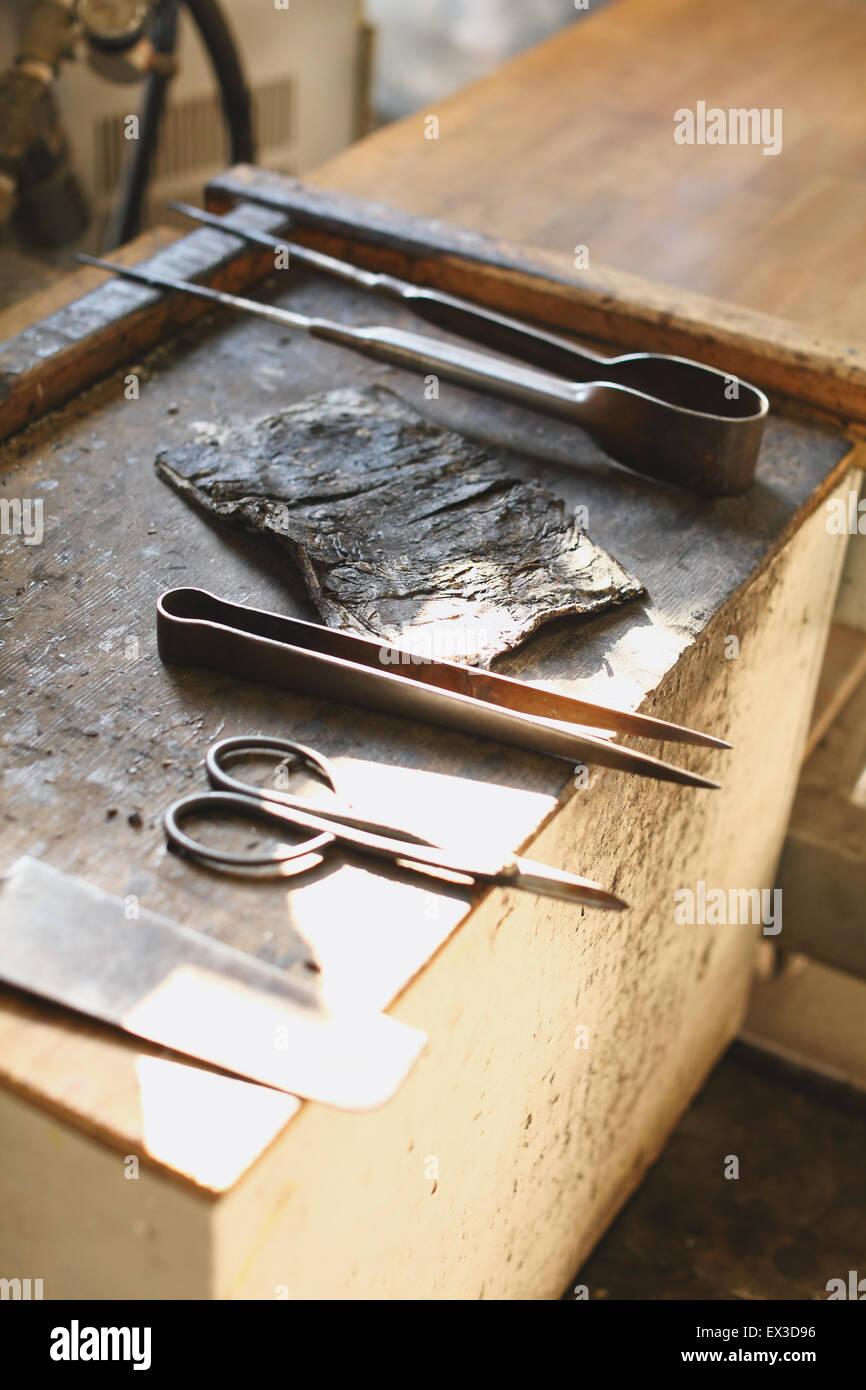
{"x":125,"y":221}
{"x":217,"y":39}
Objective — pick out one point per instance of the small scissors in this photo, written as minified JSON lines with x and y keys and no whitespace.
{"x":339,"y":824}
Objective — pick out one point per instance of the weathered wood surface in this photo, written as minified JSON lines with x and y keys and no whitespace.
{"x":559,"y":1058}
{"x":812,"y":1019}
{"x":540,"y":1139}
{"x":397,"y":529}
{"x":843,"y":670}
{"x":504,"y":1097}
{"x":51,"y":359}
{"x":57,"y":285}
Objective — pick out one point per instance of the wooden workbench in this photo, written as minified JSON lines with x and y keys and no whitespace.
{"x":572,"y":144}
{"x":510,"y":1148}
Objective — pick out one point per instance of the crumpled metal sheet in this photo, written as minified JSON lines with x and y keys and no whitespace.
{"x":400,"y":529}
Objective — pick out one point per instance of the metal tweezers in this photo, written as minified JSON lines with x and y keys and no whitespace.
{"x":195,"y":628}
{"x":666,"y":417}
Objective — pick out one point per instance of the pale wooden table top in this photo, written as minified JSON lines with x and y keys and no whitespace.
{"x":572,"y":143}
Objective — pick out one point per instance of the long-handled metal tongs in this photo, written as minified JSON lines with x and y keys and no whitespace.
{"x":662,"y":416}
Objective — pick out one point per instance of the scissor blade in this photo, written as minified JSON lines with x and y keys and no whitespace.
{"x":556,"y":883}
{"x":424,"y":858}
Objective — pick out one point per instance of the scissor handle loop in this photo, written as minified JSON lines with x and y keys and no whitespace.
{"x":242,"y":804}
{"x":263,"y":743}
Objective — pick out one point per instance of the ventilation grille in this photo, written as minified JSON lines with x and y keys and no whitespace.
{"x":193,"y":135}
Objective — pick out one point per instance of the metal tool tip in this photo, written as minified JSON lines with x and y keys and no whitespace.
{"x":694,"y":779}
{"x":681,"y":776}
{"x":627,"y":760}
{"x":605,"y":902}
{"x":598,"y":897}
{"x":600,"y":901}
{"x":98,"y":262}
{"x":710,"y":741}
{"x":616,"y":904}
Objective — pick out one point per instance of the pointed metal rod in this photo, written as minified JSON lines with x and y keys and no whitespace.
{"x":305,"y":255}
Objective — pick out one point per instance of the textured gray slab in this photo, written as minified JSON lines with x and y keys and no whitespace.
{"x":401,"y":529}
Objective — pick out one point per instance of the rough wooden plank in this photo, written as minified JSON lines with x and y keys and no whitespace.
{"x":843,"y":670}
{"x":822,"y":873}
{"x":539,"y":1139}
{"x":510,"y":1148}
{"x":62,"y":286}
{"x":113,"y":538}
{"x":851,"y":607}
{"x":101,"y":727}
{"x":51,"y":360}
{"x":48,"y":363}
{"x":828,"y":790}
{"x":812,"y":1018}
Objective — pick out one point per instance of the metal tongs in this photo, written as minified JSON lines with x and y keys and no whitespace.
{"x":667,"y":417}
